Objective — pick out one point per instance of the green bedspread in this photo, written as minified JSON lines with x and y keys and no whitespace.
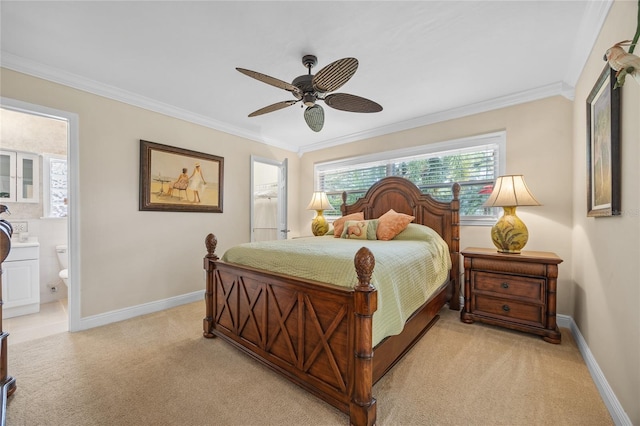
{"x":407,"y":269}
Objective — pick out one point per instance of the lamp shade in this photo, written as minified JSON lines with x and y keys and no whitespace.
{"x":510,"y":191}
{"x":319,"y":201}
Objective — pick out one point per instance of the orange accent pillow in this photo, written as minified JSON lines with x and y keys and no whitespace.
{"x":391,"y":224}
{"x":338,"y":224}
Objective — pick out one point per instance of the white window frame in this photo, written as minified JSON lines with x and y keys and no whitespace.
{"x":46,"y":191}
{"x":498,"y":138}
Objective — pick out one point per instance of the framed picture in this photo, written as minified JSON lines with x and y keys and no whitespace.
{"x":603,"y":147}
{"x":176,"y":179}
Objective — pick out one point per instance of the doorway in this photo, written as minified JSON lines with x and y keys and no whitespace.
{"x":72,"y":237}
{"x":268,"y":199}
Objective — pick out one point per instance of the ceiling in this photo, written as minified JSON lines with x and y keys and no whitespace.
{"x":423,"y":61}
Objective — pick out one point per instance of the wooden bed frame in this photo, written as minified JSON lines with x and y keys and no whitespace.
{"x":320,"y":335}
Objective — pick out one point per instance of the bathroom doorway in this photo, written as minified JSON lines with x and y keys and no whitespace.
{"x":268,"y":199}
{"x":53,"y":223}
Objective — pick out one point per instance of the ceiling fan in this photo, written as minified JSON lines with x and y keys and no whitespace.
{"x":310,"y":88}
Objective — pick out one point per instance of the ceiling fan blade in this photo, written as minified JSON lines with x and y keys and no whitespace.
{"x":271,"y":108}
{"x":351,"y":103}
{"x":272,"y":81}
{"x":334,"y":75}
{"x":314,"y":116}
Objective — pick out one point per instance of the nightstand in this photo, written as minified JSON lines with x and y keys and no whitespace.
{"x":516,"y":291}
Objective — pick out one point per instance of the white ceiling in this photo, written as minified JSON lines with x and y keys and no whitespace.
{"x":423,"y":61}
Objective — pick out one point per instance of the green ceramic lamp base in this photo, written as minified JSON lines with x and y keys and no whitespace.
{"x":509,"y":234}
{"x":319,"y":225}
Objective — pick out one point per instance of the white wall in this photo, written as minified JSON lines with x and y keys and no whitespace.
{"x":606,"y":251}
{"x":130,"y":257}
{"x":538,"y":146}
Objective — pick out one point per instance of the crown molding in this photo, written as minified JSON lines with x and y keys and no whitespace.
{"x":550,"y":90}
{"x":585,"y":38}
{"x":594,"y":17}
{"x":19,"y":64}
{"x":36,"y":69}
{"x":592,"y":21}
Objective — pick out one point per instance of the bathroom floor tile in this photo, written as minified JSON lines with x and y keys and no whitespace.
{"x":53,"y":318}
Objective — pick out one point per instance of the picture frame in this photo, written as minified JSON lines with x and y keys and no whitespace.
{"x":180,"y":180}
{"x":603,"y":147}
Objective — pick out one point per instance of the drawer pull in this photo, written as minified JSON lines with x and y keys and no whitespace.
{"x":505,"y":285}
{"x":506,"y":308}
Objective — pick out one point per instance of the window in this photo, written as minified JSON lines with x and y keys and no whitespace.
{"x":55,"y":186}
{"x":472,"y":162}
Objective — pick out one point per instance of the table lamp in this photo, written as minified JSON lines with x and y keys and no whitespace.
{"x":510,"y":234}
{"x":319,"y":202}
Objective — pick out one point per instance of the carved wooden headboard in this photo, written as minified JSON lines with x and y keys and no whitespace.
{"x":403,"y":196}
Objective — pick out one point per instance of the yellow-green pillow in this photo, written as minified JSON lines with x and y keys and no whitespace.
{"x":417,"y":232}
{"x":360,"y":229}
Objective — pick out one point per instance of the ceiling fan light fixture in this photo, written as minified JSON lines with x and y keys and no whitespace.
{"x":309,"y":99}
{"x":314,"y":116}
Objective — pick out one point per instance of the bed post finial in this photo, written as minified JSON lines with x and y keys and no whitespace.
{"x":210,"y":242}
{"x":362,"y":408}
{"x":456,"y":191}
{"x":343,"y":206}
{"x":364,"y":262}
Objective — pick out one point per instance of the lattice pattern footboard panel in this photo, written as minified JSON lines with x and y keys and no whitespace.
{"x":293,"y":326}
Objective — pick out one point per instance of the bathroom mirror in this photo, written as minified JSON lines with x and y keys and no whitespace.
{"x":268,"y":199}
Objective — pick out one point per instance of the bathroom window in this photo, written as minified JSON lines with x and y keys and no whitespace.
{"x":55,"y":186}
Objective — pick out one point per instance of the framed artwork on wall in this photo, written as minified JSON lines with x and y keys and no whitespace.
{"x":603,"y":147}
{"x":177,"y":179}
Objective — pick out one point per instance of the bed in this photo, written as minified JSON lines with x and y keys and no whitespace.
{"x":321,"y":335}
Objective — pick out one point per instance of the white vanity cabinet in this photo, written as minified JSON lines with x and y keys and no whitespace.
{"x":19,"y":177}
{"x":20,"y":280}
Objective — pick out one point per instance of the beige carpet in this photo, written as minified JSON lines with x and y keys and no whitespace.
{"x":159,"y":370}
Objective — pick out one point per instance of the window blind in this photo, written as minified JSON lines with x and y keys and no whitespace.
{"x":474,"y":167}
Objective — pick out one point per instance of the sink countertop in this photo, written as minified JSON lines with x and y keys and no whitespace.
{"x":31,"y":242}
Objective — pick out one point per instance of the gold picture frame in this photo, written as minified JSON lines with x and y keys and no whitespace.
{"x":603,"y":147}
{"x":178,"y":179}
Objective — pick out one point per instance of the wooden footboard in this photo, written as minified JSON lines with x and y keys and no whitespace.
{"x":317,"y":335}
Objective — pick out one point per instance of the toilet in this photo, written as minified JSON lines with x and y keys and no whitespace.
{"x":63,"y":258}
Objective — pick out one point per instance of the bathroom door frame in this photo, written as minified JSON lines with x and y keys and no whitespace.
{"x":73,"y":193}
{"x":282,"y":166}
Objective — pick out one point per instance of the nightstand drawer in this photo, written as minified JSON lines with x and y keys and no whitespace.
{"x":509,"y":285}
{"x":509,"y":309}
{"x":516,"y":291}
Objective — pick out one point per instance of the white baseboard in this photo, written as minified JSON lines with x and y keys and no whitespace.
{"x":134,"y":311}
{"x":618,"y":415}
